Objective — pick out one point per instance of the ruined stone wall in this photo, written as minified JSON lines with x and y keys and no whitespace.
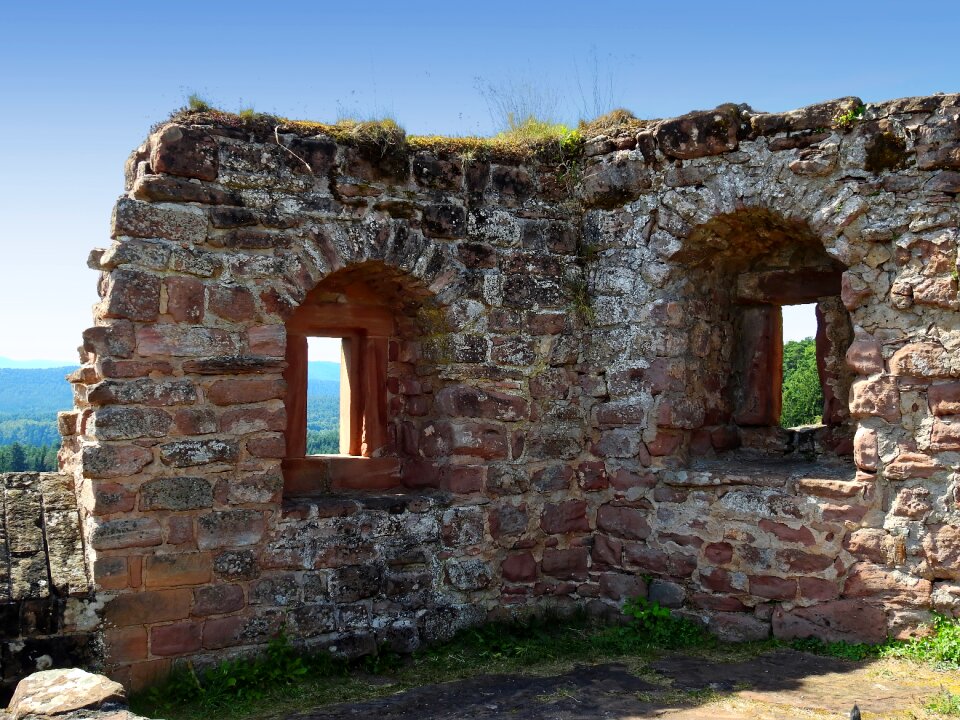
{"x":48,"y":614}
{"x":565,"y":387}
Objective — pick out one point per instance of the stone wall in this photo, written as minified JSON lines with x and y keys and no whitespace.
{"x":49,"y":614}
{"x":578,"y":381}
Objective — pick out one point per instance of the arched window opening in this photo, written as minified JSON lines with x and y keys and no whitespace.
{"x":347,"y":344}
{"x":751,"y":268}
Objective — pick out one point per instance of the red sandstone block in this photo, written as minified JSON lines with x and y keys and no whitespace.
{"x":223,"y":632}
{"x":843,"y":513}
{"x":880,"y":398}
{"x":479,"y":439}
{"x":717,"y":603}
{"x":143,"y":607}
{"x":786,"y":533}
{"x":217,"y":600}
{"x":177,"y":340}
{"x":267,"y":446}
{"x":665,"y":443}
{"x":944,"y":398}
{"x":798,"y":561}
{"x":913,"y":503}
{"x":242,"y":421}
{"x":231,"y":302}
{"x":135,"y":570}
{"x":464,"y":479}
{"x":132,"y":295}
{"x":942,"y":549}
{"x":466,"y":401}
{"x":565,"y":517}
{"x":945,"y":436}
{"x":246,"y":390}
{"x":909,"y":465}
{"x":114,"y":460}
{"x":642,"y":557}
{"x":123,"y":645}
{"x":921,"y":360}
{"x":606,"y":551}
{"x":267,"y":340}
{"x":109,"y":498}
{"x":773,"y":588}
{"x":865,"y":452}
{"x":622,"y":586}
{"x":718,"y":553}
{"x":868,"y":544}
{"x":716,"y":579}
{"x":817,"y":589}
{"x":179,"y":530}
{"x":565,"y":564}
{"x":110,"y":368}
{"x":184,"y":299}
{"x":520,"y":567}
{"x":846,"y":620}
{"x":176,"y":570}
{"x":868,"y":580}
{"x":592,"y":475}
{"x":623,"y":521}
{"x":864,"y":357}
{"x":184,"y":151}
{"x":195,"y":421}
{"x":624,"y":479}
{"x":176,"y":639}
{"x":110,"y":573}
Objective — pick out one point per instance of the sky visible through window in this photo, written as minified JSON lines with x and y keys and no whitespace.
{"x":799,"y":322}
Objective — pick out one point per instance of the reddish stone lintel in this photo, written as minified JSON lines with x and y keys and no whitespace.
{"x":318,"y":474}
{"x":788,"y":287}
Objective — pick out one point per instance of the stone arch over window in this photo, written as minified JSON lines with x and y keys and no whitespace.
{"x":386,"y":321}
{"x":739,"y":270}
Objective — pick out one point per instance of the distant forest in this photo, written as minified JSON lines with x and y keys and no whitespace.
{"x":29,"y":401}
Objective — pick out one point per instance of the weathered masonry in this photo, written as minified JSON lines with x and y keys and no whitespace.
{"x":563,"y":373}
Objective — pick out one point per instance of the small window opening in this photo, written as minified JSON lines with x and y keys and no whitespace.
{"x":324,"y":410}
{"x":802,"y":393}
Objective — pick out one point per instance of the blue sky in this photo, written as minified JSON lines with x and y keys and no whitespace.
{"x":81,"y":84}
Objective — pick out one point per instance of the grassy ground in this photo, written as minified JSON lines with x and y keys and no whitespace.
{"x":283,"y":681}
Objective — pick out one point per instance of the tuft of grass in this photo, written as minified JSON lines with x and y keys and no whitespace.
{"x":615,"y":122}
{"x":383,"y":133}
{"x":195,"y":103}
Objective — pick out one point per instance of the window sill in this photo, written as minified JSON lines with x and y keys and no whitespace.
{"x":320,"y":474}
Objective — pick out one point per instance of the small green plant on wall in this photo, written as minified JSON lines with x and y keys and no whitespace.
{"x":845,"y":120}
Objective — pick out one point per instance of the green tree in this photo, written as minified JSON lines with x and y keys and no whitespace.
{"x":18,"y":458}
{"x":802,"y":393}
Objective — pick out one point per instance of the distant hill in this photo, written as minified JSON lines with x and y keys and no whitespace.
{"x":323,"y":370}
{"x":35,"y":393}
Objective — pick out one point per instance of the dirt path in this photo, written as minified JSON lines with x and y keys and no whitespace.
{"x":778,"y":685}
